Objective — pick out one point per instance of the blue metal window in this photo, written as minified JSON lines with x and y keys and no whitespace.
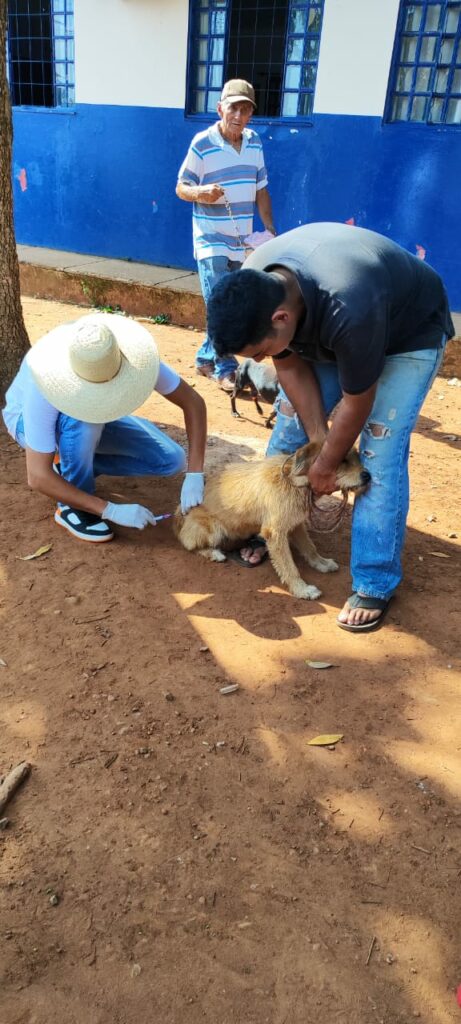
{"x":41,"y":52}
{"x":425,"y":84}
{"x":208,"y":45}
{"x":302,"y":54}
{"x":274,"y":44}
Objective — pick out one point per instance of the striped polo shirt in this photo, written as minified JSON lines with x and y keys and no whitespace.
{"x":211,"y":160}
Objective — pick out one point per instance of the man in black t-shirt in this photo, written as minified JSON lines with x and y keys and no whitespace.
{"x":348,"y":316}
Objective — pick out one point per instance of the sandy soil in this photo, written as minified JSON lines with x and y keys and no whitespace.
{"x":208,"y":864}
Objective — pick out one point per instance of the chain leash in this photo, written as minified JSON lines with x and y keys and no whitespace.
{"x":324,"y":518}
{"x":247,"y":249}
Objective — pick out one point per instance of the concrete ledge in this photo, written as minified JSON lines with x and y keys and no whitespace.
{"x":140,"y":289}
{"x":184,"y":307}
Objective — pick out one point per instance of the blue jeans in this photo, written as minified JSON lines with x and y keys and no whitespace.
{"x":380,"y":515}
{"x":210,"y":271}
{"x":126,"y":447}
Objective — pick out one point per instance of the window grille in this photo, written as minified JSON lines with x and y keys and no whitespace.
{"x":274,"y":44}
{"x":41,"y":52}
{"x":426,"y":72}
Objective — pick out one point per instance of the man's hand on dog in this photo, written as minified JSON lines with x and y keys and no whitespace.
{"x":322,"y":480}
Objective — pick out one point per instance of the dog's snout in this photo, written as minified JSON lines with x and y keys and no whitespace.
{"x":365,"y":477}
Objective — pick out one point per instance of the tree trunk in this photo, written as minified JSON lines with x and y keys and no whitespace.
{"x":13,"y":335}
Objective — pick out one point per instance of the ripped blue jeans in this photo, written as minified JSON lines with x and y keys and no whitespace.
{"x":380,"y":515}
{"x":130,"y":446}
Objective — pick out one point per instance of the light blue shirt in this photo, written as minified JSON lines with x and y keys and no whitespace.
{"x":39,"y":417}
{"x":211,"y":160}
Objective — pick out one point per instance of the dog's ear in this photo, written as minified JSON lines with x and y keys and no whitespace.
{"x":297,"y":465}
{"x":287,"y":466}
{"x":300,"y":462}
{"x":293,"y":468}
{"x":311,"y":451}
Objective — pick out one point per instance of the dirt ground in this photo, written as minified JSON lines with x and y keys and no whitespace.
{"x":208,"y":865}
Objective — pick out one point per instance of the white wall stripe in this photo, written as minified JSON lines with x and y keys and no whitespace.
{"x":134,"y":53}
{"x":355,"y":56}
{"x":131,"y":52}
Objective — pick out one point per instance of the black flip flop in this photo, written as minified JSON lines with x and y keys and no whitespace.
{"x":254,"y":543}
{"x":356,"y":601}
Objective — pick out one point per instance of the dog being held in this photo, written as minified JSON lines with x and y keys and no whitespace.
{"x":268,"y":498}
{"x":261,"y":379}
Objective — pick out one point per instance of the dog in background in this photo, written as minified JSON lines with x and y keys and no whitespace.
{"x":261,"y":380}
{"x":269,"y":498}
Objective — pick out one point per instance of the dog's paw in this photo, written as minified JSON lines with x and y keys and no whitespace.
{"x":325,"y":564}
{"x":212,"y":554}
{"x":217,"y":555}
{"x":302,"y":589}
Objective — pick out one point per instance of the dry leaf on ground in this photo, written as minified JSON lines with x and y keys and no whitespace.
{"x":325,"y":739}
{"x":37,"y":554}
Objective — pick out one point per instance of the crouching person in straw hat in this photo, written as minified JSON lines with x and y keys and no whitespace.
{"x":73,"y":395}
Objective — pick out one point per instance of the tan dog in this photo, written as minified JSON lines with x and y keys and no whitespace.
{"x":267,"y":498}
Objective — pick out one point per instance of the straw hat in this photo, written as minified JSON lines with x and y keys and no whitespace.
{"x":97,"y":369}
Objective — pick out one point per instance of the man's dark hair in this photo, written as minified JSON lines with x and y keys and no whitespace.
{"x":240,"y":309}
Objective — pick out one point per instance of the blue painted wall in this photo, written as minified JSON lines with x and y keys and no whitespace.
{"x":101,"y":180}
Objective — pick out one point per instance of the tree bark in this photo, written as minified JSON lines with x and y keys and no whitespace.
{"x":14,"y":342}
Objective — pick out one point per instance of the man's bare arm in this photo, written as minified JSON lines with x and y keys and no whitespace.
{"x":199,"y":193}
{"x":264,"y":204}
{"x":41,"y":477}
{"x":300,"y":385}
{"x":195,"y":420}
{"x":349,"y":420}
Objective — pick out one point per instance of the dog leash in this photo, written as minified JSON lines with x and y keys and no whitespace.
{"x":322,"y":519}
{"x":246,"y":248}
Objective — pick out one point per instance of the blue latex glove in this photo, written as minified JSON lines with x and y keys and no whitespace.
{"x":192,"y":491}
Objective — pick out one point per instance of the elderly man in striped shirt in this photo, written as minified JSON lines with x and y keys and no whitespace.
{"x":224,"y":176}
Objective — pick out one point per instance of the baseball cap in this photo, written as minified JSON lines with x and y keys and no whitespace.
{"x":237,"y":89}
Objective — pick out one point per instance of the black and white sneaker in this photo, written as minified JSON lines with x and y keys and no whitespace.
{"x":83,"y":525}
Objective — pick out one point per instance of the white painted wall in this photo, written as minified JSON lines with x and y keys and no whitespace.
{"x":134,"y":53}
{"x":131,"y":52}
{"x":355,"y":56}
